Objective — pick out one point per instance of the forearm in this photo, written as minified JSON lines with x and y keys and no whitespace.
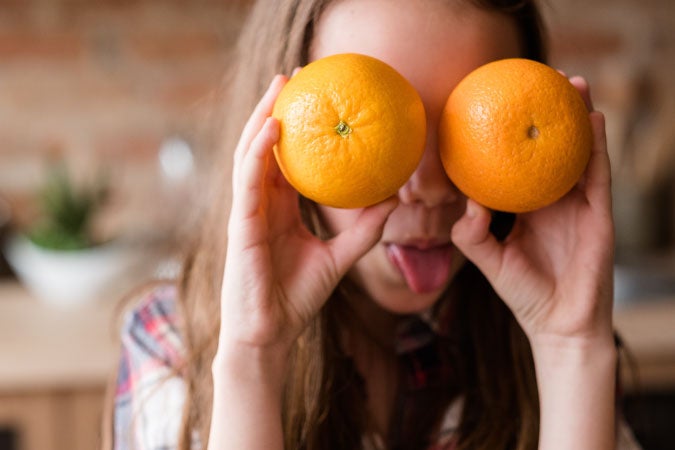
{"x":576,"y":382}
{"x":246,"y":401}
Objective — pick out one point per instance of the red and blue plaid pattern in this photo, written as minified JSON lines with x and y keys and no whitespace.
{"x":150,"y":393}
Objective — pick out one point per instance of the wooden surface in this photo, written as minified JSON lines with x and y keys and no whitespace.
{"x":648,"y":330}
{"x":54,"y":420}
{"x":46,"y":348}
{"x":54,"y":367}
{"x":43,"y":347}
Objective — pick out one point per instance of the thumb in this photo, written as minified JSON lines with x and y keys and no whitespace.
{"x":354,"y":242}
{"x":471,"y":234}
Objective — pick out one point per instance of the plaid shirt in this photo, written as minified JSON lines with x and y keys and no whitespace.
{"x":150,"y":394}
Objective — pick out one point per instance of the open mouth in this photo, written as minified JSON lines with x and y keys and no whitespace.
{"x":425,"y":268}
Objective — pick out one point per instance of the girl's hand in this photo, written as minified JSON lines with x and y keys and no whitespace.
{"x":555,"y":268}
{"x":554,"y":271}
{"x":277,"y":274}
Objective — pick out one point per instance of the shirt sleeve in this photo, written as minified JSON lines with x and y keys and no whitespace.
{"x":150,"y":392}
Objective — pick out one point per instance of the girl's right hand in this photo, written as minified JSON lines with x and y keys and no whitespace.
{"x":278,"y":274}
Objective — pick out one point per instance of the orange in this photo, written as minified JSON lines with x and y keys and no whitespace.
{"x":515,"y":135}
{"x":352,"y":130}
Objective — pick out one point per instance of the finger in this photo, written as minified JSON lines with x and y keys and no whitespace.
{"x":274,"y":177}
{"x":262,"y":110}
{"x":584,"y":89}
{"x":471,"y":234}
{"x":350,"y":245}
{"x":598,"y":176}
{"x":248,"y":193}
{"x":296,"y":71}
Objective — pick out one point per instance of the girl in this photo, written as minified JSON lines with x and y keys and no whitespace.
{"x":422,"y":322}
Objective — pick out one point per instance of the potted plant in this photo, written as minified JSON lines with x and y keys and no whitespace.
{"x":65,"y":224}
{"x":59,"y":258}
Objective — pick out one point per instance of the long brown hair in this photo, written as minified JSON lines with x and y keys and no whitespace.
{"x":500,"y":411}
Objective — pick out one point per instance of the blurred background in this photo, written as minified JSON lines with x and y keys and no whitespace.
{"x":107,"y":108}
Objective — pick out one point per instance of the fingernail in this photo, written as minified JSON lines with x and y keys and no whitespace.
{"x":580,"y":80}
{"x":271,"y":126}
{"x":471,"y":209}
{"x":274,"y":81}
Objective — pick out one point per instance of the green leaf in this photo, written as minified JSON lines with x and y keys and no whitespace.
{"x":67,"y":211}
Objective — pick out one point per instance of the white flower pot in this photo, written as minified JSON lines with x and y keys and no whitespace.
{"x":67,"y":278}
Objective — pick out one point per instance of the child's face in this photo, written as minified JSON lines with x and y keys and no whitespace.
{"x":434,"y":46}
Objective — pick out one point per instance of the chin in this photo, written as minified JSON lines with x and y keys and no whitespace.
{"x":406,"y":301}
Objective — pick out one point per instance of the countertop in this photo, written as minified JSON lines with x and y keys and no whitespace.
{"x":42,"y":347}
{"x":647,"y":328}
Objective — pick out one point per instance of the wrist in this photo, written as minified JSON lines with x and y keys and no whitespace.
{"x":244,"y":364}
{"x":576,"y":384}
{"x":247,"y":397}
{"x":558,"y":350}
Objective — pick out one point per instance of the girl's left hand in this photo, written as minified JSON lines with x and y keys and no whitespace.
{"x":555,"y":269}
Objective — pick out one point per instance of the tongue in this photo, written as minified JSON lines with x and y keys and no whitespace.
{"x":424,"y":270}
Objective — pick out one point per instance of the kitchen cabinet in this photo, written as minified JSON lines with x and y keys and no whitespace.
{"x":54,"y":368}
{"x":46,"y":419}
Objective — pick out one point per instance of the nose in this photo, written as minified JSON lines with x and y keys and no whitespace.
{"x":429,"y":184}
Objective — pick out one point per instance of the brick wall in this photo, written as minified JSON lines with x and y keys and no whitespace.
{"x":626,"y":48}
{"x":103,"y":83}
{"x":106,"y":81}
